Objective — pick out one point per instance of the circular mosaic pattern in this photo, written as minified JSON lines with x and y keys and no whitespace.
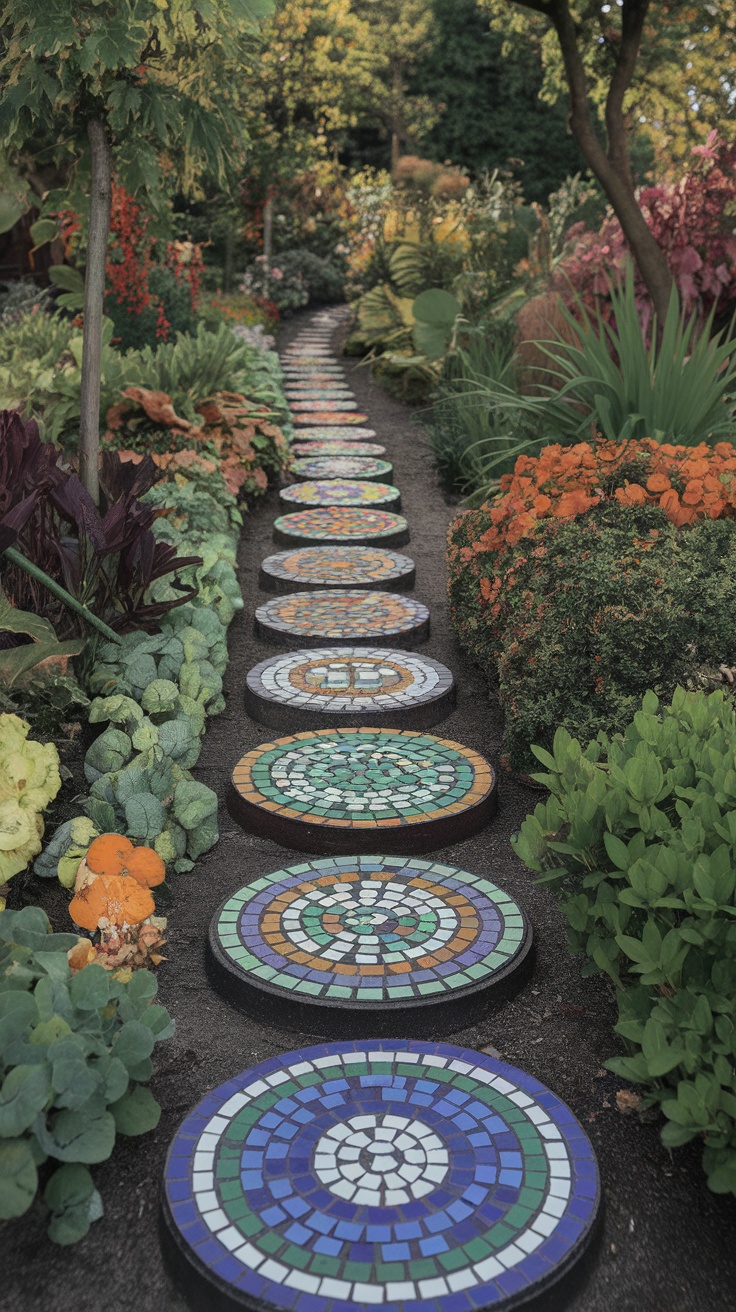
{"x":399,"y":945}
{"x":339,"y":615}
{"x":382,"y":790}
{"x":421,"y":1177}
{"x":331,"y":567}
{"x":324,"y":404}
{"x":348,"y":524}
{"x":345,"y":685}
{"x":338,"y":433}
{"x":337,"y":448}
{"x":324,"y":417}
{"x":311,"y":357}
{"x":318,"y":373}
{"x":352,"y":466}
{"x":314,"y":393}
{"x":342,"y":492}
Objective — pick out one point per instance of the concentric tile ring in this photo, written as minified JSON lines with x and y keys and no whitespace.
{"x":326,"y":418}
{"x":341,"y":492}
{"x":380,"y":945}
{"x":339,"y":447}
{"x":339,"y":433}
{"x":341,"y":524}
{"x":306,"y":568}
{"x":414,"y":1176}
{"x":324,"y":404}
{"x":364,"y":468}
{"x":378,"y":790}
{"x":340,"y":615}
{"x":325,"y":391}
{"x":322,"y":687}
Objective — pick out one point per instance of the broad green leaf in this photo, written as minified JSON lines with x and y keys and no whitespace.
{"x":18,"y":1178}
{"x":23,"y":1094}
{"x":136,"y":1112}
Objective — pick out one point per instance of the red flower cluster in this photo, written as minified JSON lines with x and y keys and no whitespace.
{"x":133,"y":256}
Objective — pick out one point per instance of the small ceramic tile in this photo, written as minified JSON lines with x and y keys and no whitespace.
{"x":359,"y":467}
{"x":355,"y":525}
{"x":341,"y":492}
{"x":338,"y":447}
{"x":343,"y":615}
{"x":360,"y":567}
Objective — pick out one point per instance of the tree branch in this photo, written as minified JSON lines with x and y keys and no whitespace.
{"x":633,"y":16}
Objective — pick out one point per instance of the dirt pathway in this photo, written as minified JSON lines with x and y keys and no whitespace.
{"x":667,"y":1244}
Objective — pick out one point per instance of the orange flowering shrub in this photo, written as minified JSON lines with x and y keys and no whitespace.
{"x":687,"y":482}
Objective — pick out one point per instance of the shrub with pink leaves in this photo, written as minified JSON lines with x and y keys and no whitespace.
{"x":694,"y":222}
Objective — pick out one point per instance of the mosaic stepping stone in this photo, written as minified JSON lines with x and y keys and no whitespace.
{"x":323,"y":358}
{"x":341,"y":467}
{"x":356,"y":615}
{"x":299,"y":406}
{"x":321,"y":433}
{"x":331,"y":567}
{"x":377,"y":790}
{"x":341,"y":492}
{"x":337,"y":448}
{"x":415,"y":1176}
{"x":321,"y":373}
{"x":341,"y":524}
{"x":315,"y":393}
{"x":369,"y":945}
{"x":347,"y":685}
{"x":323,"y":417}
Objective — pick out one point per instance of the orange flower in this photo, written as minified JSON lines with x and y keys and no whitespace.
{"x":146,"y":867}
{"x":631,"y":495}
{"x":119,"y":900}
{"x":658,"y":483}
{"x":108,"y":853}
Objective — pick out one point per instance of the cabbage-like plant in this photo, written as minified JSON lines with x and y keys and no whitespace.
{"x":29,"y":781}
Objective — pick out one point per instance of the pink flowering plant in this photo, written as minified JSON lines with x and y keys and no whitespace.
{"x":694,"y":222}
{"x":288,"y":291}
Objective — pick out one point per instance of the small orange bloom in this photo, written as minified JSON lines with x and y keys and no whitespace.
{"x":120,"y":900}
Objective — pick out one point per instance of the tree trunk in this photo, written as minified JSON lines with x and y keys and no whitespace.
{"x":611,"y":166}
{"x":94,"y":297}
{"x":267,"y":231}
{"x":229,"y":261}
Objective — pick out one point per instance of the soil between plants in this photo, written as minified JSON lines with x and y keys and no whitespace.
{"x":667,"y":1243}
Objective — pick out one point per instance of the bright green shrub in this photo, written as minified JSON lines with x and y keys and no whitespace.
{"x":585,"y":615}
{"x":75,"y":1057}
{"x":639,"y":834}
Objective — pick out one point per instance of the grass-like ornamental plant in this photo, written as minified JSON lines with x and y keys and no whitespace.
{"x":75,"y":1058}
{"x":639,"y":836}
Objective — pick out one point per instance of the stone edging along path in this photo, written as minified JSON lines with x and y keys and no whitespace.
{"x":667,"y":1242}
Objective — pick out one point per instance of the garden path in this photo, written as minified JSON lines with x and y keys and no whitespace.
{"x":667,"y":1243}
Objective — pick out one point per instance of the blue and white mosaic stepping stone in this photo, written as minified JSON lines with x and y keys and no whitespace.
{"x":418,"y":1177}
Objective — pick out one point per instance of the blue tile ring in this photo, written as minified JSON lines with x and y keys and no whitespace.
{"x":418,"y":1177}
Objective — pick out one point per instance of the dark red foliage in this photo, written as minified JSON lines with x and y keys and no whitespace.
{"x":107,"y":557}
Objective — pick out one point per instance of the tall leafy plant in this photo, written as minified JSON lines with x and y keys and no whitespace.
{"x":120,"y":81}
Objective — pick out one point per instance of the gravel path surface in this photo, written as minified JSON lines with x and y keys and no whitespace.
{"x":667,"y":1244}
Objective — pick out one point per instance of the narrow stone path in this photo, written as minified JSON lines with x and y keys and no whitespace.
{"x":667,"y":1243}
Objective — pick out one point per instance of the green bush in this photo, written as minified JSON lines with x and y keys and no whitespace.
{"x":639,"y":834}
{"x":324,"y":277}
{"x":134,"y":328}
{"x":75,"y":1056}
{"x":590,"y":613}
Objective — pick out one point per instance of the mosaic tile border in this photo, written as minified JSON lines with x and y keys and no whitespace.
{"x":341,"y":492}
{"x":284,"y":692}
{"x":348,"y":616}
{"x":399,"y":945}
{"x":323,"y":418}
{"x":353,"y":466}
{"x":259,"y":802}
{"x":392,"y":571}
{"x":261,"y":1208}
{"x":339,"y":433}
{"x":336,"y":447}
{"x":344,"y":525}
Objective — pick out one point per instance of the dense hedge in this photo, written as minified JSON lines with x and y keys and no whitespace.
{"x":581,"y":617}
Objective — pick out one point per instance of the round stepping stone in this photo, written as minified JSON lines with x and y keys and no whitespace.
{"x":415,"y":1176}
{"x":352,"y":466}
{"x":323,"y":417}
{"x":337,"y":448}
{"x":331,"y":686}
{"x":369,"y":945}
{"x":324,"y":358}
{"x":341,"y":492}
{"x":331,"y":567}
{"x":321,"y":433}
{"x":341,"y":524}
{"x":323,"y":373}
{"x":325,"y":404}
{"x":357,"y":615}
{"x":317,"y":393}
{"x":377,"y":790}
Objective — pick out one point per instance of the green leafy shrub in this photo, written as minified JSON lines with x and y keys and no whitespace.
{"x":29,"y":781}
{"x":639,"y":836}
{"x":584,"y":615}
{"x":324,"y":277}
{"x":75,"y":1056}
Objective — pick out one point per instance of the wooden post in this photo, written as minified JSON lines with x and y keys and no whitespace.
{"x":94,"y":297}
